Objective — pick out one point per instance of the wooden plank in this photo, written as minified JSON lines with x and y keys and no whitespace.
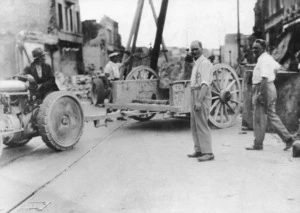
{"x":147,"y":107}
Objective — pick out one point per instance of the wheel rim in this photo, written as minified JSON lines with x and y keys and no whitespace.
{"x":226,"y":96}
{"x":94,"y":93}
{"x":141,"y":73}
{"x":66,"y":121}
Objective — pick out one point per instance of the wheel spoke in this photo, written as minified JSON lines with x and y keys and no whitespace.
{"x":230,"y":85}
{"x":234,"y":91}
{"x":230,"y":108}
{"x":233,"y":101}
{"x":214,"y":105}
{"x":221,"y":115}
{"x":226,"y":113}
{"x":216,"y":86}
{"x":226,"y":80}
{"x":218,"y":81}
{"x":215,"y":92}
{"x":215,"y":97}
{"x":217,"y":111}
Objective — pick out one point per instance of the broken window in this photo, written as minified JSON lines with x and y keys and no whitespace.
{"x":71,"y":20}
{"x":60,"y":17}
{"x":78,"y":22}
{"x":67,"y":18}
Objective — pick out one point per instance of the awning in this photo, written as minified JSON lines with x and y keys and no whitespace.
{"x":281,"y":50}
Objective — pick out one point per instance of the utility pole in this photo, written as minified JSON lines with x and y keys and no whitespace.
{"x":159,"y":32}
{"x":238,"y":33}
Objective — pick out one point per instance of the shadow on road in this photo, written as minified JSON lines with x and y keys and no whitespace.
{"x":161,"y":125}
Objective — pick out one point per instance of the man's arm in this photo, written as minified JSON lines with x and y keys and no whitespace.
{"x":204,"y":84}
{"x":49,"y":79}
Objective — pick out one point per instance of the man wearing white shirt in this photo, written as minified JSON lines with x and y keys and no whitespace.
{"x":264,"y":98}
{"x":200,"y":104}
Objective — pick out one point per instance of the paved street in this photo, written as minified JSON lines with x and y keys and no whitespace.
{"x":135,"y":167}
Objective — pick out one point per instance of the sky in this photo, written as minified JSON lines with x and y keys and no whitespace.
{"x":186,"y":20}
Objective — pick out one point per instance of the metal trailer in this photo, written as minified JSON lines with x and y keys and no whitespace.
{"x":59,"y":118}
{"x":140,"y":97}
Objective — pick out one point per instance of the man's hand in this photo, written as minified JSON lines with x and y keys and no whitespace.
{"x":39,"y":86}
{"x":197,"y":107}
{"x":263,"y":101}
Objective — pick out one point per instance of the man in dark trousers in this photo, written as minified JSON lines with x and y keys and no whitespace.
{"x":264,"y":98}
{"x":42,"y":74}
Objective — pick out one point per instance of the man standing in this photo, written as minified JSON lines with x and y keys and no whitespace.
{"x":200,"y":103}
{"x":112,"y":68}
{"x":42,"y":73}
{"x":264,"y":98}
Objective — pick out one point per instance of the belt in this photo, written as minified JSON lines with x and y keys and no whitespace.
{"x":260,"y":83}
{"x":196,"y":88}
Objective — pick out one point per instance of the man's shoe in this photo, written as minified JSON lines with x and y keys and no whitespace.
{"x":121,"y":119}
{"x":254,"y":148}
{"x":195,"y":155}
{"x":289,"y":144}
{"x":206,"y":157}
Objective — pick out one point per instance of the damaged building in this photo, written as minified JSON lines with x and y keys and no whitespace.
{"x":53,"y":25}
{"x":99,"y":40}
{"x":278,"y":21}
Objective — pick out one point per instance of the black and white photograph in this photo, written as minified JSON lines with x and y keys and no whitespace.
{"x":150,"y":106}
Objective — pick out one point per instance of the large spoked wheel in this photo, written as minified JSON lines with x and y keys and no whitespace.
{"x":141,"y":73}
{"x":60,"y":120}
{"x":97,"y":91}
{"x":226,"y":96}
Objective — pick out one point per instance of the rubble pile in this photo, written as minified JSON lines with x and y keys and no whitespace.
{"x":79,"y":84}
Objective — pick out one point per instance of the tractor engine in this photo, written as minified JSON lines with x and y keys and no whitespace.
{"x":58,"y":118}
{"x":18,"y":105}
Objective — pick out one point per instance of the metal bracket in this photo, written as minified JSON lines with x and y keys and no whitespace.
{"x":36,"y":206}
{"x":98,"y":124}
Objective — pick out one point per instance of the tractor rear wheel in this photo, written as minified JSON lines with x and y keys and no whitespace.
{"x":97,"y":91}
{"x":60,"y":120}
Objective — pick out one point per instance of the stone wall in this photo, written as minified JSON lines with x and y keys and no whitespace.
{"x":288,"y":100}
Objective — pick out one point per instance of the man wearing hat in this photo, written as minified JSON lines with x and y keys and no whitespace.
{"x":112,"y":68}
{"x":42,"y":73}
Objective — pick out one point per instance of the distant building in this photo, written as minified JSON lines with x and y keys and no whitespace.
{"x":100,"y":39}
{"x":229,"y":51}
{"x":53,"y":25}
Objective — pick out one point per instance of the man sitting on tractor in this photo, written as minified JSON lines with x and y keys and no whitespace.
{"x":42,"y":74}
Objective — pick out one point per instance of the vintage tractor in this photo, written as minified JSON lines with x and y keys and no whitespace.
{"x":58,"y":119}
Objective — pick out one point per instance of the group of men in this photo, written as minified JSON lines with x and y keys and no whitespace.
{"x":263,"y":94}
{"x":263,"y":99}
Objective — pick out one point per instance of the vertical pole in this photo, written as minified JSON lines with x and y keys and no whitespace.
{"x":137,"y":15}
{"x":155,"y":19}
{"x":159,"y":32}
{"x":238,"y":33}
{"x":137,"y":21}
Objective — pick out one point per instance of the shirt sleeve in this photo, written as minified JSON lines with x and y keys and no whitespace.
{"x":205,"y":73}
{"x":265,"y":68}
{"x":268,"y":68}
{"x":107,"y":69}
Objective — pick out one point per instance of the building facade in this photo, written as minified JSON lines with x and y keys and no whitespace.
{"x":278,"y":21}
{"x":100,"y":39}
{"x":53,"y":25}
